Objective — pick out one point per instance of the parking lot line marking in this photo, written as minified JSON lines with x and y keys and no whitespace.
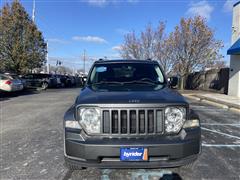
{"x":221,"y":145}
{"x":218,"y":124}
{"x":225,"y":134}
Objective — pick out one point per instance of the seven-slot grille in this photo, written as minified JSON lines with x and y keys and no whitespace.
{"x":132,"y":121}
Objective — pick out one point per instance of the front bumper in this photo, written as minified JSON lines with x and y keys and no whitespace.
{"x":163,"y":151}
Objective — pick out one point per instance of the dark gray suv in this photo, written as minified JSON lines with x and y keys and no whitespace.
{"x":126,"y":116}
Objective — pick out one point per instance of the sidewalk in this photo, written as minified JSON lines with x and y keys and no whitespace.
{"x":221,"y":100}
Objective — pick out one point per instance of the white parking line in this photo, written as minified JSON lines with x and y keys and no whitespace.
{"x":221,"y":145}
{"x":225,"y":134}
{"x":218,"y":124}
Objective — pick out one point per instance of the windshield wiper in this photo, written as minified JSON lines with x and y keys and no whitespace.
{"x":140,"y":81}
{"x":145,"y":81}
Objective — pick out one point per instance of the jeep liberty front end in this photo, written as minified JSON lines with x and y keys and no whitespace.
{"x":126,"y":116}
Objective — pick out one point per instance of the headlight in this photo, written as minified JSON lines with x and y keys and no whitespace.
{"x":90,"y":120}
{"x":174,"y":119}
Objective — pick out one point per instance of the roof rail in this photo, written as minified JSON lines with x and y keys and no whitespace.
{"x":149,"y":59}
{"x":101,"y":59}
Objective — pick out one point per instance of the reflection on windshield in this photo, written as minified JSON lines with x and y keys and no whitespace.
{"x":126,"y":87}
{"x":126,"y":73}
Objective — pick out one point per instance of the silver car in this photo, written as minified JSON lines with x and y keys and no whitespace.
{"x":10,"y":83}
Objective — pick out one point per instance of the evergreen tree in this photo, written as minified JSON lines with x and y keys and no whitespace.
{"x":22,"y":46}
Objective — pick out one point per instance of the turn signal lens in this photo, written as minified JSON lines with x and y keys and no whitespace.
{"x":191,"y":123}
{"x":72,"y":124}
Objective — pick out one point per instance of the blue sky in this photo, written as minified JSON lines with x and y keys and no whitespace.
{"x":70,"y":26}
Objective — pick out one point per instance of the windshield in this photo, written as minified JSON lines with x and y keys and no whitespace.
{"x":126,"y":73}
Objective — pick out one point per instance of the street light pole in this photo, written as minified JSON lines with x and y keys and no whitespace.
{"x":33,"y":12}
{"x":84,"y":61}
{"x":48,"y":65}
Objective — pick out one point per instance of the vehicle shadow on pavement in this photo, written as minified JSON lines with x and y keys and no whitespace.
{"x":173,"y":176}
{"x":127,"y":174}
{"x":8,"y":95}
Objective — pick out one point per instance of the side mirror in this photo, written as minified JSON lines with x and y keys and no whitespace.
{"x":84,"y":80}
{"x":173,"y":81}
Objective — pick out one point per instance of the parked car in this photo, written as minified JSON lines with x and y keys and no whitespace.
{"x":10,"y":83}
{"x":69,"y":81}
{"x":127,"y":116}
{"x":58,"y":80}
{"x":63,"y":80}
{"x":66,"y":80}
{"x":78,"y":81}
{"x":73,"y":80}
{"x":43,"y":81}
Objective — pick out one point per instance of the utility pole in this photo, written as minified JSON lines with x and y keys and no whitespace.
{"x":48,"y":65}
{"x":33,"y":12}
{"x":84,"y":61}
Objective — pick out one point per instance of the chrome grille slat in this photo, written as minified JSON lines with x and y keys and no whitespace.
{"x":128,"y":122}
{"x":137,"y":122}
{"x":154,"y":121}
{"x":133,"y":123}
{"x":146,"y":121}
{"x":110,"y":115}
{"x":141,"y":122}
{"x":119,"y":122}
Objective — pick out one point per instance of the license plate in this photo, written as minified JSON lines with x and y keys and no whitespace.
{"x":134,"y":154}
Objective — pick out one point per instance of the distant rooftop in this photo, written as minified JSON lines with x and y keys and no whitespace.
{"x":236,"y":3}
{"x":235,"y":49}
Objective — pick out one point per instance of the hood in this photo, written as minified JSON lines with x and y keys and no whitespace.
{"x":127,"y":95}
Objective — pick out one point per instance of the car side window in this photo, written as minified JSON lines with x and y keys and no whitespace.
{"x":28,"y":76}
{"x":3,"y":77}
{"x":37,"y":76}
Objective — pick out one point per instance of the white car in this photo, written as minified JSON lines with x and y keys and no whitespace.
{"x":10,"y":83}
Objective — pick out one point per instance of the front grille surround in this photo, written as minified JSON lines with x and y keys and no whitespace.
{"x":132,"y":121}
{"x":129,"y":107}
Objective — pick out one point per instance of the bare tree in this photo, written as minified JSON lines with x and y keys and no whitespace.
{"x":131,"y":49}
{"x":147,"y":43}
{"x":163,"y":48}
{"x":190,"y":47}
{"x":193,"y":46}
{"x":151,"y":44}
{"x":219,"y":64}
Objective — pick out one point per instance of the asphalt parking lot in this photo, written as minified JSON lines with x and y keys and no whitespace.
{"x":32,"y":142}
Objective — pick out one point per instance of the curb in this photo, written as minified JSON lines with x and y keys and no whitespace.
{"x":229,"y":105}
{"x":192,"y":97}
{"x":221,"y":104}
{"x":215,"y":104}
{"x":235,"y":110}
